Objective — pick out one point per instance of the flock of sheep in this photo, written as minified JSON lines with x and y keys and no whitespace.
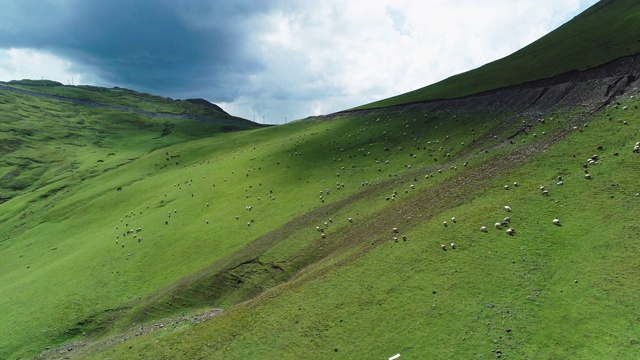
{"x":436,"y":149}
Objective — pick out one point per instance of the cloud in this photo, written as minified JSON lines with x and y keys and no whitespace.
{"x":276,"y":59}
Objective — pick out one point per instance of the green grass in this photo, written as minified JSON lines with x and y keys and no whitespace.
{"x":608,"y":30}
{"x":372,"y":297}
{"x":129,"y":98}
{"x":357,"y":274}
{"x":287,"y":291}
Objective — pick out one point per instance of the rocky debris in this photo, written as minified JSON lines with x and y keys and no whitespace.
{"x":67,"y":351}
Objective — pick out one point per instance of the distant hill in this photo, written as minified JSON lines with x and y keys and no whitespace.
{"x":117,"y":96}
{"x":65,"y":125}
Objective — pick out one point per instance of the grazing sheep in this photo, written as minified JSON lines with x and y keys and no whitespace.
{"x":395,"y":230}
{"x":636,"y":148}
{"x":453,"y":246}
{"x":483,"y":229}
{"x":545,"y":192}
{"x":453,"y":220}
{"x":498,"y":225}
{"x":506,"y":187}
{"x":506,"y":220}
{"x":350,"y":220}
{"x":443,"y":247}
{"x":511,"y":231}
{"x":445,"y":223}
{"x":515,"y":184}
{"x":507,"y":208}
{"x":556,"y":222}
{"x":587,"y":176}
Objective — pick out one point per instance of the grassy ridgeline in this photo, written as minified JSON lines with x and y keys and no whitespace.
{"x":607,"y":30}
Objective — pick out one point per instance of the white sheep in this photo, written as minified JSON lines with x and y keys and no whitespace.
{"x":453,"y":246}
{"x":483,"y":229}
{"x":443,"y":247}
{"x":498,"y":225}
{"x":506,"y":220}
{"x":511,"y":231}
{"x":556,"y":222}
{"x":445,"y":223}
{"x":507,"y":208}
{"x":453,"y":220}
{"x":395,"y":230}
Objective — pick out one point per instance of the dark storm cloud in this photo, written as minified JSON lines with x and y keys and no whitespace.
{"x":169,"y":47}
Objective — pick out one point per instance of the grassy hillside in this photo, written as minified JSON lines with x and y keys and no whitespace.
{"x":45,"y":141}
{"x":321,"y":238}
{"x":128,"y":98}
{"x":548,"y":291}
{"x":608,"y":30}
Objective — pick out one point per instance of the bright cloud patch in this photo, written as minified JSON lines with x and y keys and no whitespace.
{"x":17,"y":64}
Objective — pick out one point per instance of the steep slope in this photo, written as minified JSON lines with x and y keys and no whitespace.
{"x":404,"y":168}
{"x":608,"y":30}
{"x":290,"y":230}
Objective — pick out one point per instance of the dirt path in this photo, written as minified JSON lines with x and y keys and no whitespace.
{"x":79,"y":349}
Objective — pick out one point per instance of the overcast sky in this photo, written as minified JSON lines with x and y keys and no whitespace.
{"x":275,"y":59}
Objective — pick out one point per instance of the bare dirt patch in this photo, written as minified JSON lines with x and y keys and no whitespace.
{"x":77,"y":349}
